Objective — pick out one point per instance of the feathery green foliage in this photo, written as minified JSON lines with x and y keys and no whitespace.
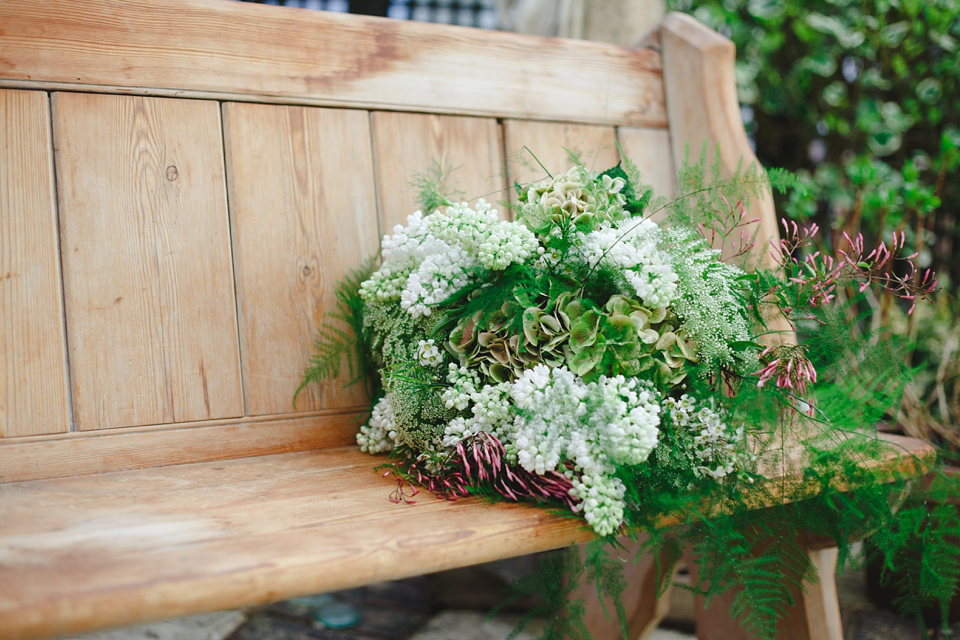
{"x":806,"y":462}
{"x":341,"y":338}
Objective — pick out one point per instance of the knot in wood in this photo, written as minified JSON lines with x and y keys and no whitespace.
{"x":307,"y":271}
{"x":172,"y":173}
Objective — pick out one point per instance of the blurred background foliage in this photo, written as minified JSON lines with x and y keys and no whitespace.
{"x":862,"y":99}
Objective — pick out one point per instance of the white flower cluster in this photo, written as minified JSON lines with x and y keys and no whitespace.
{"x":635,"y":251}
{"x":490,"y":406}
{"x":379,"y":435}
{"x":719,"y":448}
{"x":431,"y":258}
{"x":593,"y":425}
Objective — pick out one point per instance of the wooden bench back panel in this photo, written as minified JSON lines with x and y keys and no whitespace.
{"x":408,"y":144}
{"x":304,"y":212}
{"x":33,"y":390}
{"x":148,"y":281}
{"x":234,"y":51}
{"x":202,"y":238}
{"x":650,"y":150}
{"x":531,"y":144}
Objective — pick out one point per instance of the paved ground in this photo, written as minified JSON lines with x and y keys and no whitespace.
{"x":453,"y":606}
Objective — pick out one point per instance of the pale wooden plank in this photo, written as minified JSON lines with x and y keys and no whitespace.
{"x":119,"y":548}
{"x":33,"y":376}
{"x":549,"y":143}
{"x":703,"y":108}
{"x":81,"y":453}
{"x":146,"y":259}
{"x":304,"y":213}
{"x":408,"y":144}
{"x":231,"y":49}
{"x":650,"y":150}
{"x":113,"y":549}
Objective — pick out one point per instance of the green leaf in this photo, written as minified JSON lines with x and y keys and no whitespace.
{"x":892,"y":34}
{"x":835,"y":94}
{"x":929,"y":90}
{"x":766,"y":9}
{"x":847,"y":37}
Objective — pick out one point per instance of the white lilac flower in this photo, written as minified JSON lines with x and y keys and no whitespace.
{"x":602,"y":501}
{"x":379,"y":435}
{"x":433,"y":256}
{"x":563,"y":422}
{"x":634,"y":249}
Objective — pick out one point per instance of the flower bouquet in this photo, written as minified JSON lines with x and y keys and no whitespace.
{"x":628,"y":371}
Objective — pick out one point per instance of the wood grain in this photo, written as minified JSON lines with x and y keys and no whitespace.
{"x":120,"y":548}
{"x":230,"y":50}
{"x":33,"y":373}
{"x":548,"y":142}
{"x":650,"y":150}
{"x":304,"y":213}
{"x":148,"y":284}
{"x":703,"y":109}
{"x":90,"y":452}
{"x":408,"y":144}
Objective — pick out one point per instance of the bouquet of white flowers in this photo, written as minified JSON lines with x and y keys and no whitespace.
{"x":583,"y":355}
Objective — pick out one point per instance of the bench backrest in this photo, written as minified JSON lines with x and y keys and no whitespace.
{"x":183,"y":184}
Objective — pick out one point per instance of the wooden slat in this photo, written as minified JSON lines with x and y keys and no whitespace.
{"x":115,"y":549}
{"x":408,"y":144}
{"x":311,"y":57}
{"x":33,"y":377}
{"x":119,"y":548}
{"x":151,"y":318}
{"x":547,"y":141}
{"x":703,"y":109}
{"x":650,"y":150}
{"x":304,"y":213}
{"x":82,"y":453}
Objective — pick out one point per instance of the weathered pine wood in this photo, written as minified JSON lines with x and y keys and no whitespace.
{"x":208,"y":48}
{"x":117,"y":548}
{"x":151,"y":316}
{"x":81,"y":453}
{"x":33,"y":372}
{"x":411,"y":144}
{"x":703,"y":109}
{"x":303,"y":213}
{"x":114,"y":549}
{"x":546,"y":142}
{"x":650,"y":150}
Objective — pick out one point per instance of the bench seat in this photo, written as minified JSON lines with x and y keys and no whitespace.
{"x":95,"y":551}
{"x":101,"y":550}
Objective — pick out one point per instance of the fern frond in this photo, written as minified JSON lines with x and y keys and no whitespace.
{"x":334,"y":343}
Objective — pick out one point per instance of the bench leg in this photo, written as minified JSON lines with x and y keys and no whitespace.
{"x":814,"y":616}
{"x":644,"y":610}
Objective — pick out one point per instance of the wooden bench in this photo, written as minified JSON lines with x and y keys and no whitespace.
{"x":181,"y":187}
